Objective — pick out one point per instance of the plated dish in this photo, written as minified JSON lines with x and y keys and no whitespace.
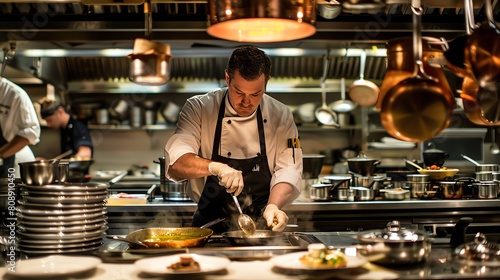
{"x":54,"y":266}
{"x":159,"y":265}
{"x":292,"y":261}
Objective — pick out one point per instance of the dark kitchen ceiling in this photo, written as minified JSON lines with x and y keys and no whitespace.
{"x":81,"y":29}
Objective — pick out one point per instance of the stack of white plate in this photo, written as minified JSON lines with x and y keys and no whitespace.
{"x":61,"y":219}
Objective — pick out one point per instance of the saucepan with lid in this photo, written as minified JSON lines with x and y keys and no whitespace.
{"x":394,"y":245}
{"x":362,"y":165}
{"x":477,"y":257}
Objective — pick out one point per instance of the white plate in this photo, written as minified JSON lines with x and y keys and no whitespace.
{"x":158,"y":265}
{"x":292,"y":261}
{"x":53,"y":266}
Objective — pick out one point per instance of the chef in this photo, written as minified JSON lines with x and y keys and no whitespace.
{"x":238,"y":140}
{"x":19,"y":127}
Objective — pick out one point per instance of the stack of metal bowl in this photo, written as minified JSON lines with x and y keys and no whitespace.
{"x":61,"y":218}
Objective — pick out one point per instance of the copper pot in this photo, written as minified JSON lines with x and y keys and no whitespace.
{"x":420,"y":106}
{"x":472,"y":109}
{"x":401,"y":61}
{"x":482,"y":51}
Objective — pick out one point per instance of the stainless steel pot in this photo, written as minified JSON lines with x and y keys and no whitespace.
{"x":329,"y":191}
{"x":312,"y":164}
{"x":487,"y":167}
{"x":485,"y":189}
{"x":176,"y":191}
{"x":477,"y":257}
{"x":394,"y":246}
{"x":362,"y":165}
{"x":362,"y":193}
{"x":320,"y":192}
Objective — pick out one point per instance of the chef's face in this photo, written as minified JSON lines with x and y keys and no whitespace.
{"x":244,"y":95}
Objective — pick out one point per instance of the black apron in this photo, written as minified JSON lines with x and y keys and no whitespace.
{"x":215,"y":202}
{"x":7,"y":162}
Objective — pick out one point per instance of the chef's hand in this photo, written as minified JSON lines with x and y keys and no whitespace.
{"x":229,"y":178}
{"x":275,"y":218}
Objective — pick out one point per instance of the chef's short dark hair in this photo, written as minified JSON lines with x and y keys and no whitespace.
{"x":49,"y":107}
{"x":250,"y":61}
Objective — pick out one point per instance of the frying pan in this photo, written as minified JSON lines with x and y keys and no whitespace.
{"x":419,"y":107}
{"x":362,"y":91}
{"x":482,"y":51}
{"x":259,"y":238}
{"x":472,"y":110}
{"x":454,"y":54}
{"x":160,"y":237}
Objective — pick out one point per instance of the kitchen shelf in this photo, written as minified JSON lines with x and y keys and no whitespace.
{"x":308,"y":128}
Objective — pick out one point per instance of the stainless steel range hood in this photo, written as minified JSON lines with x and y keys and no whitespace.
{"x":78,"y":34}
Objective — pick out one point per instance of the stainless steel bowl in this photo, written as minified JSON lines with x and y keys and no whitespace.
{"x":38,"y":173}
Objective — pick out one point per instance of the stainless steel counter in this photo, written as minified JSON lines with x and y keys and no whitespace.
{"x":434,"y":216}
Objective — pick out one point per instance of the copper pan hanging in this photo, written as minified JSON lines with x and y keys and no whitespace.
{"x":419,"y":107}
{"x":401,"y":62}
{"x":455,"y":53}
{"x":482,"y":51}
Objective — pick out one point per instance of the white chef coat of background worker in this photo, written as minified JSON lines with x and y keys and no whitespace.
{"x":196,"y":129}
{"x":18,"y":118}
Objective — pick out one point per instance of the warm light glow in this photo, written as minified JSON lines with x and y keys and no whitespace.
{"x":262,"y":21}
{"x":261,"y":30}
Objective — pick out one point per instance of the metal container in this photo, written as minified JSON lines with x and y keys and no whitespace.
{"x":419,"y":178}
{"x":362,"y":165}
{"x":487,"y":167}
{"x":485,"y":189}
{"x":102,"y":116}
{"x":362,"y":193}
{"x":477,"y":257}
{"x":419,"y":183}
{"x":62,"y":172}
{"x":176,"y":191}
{"x":484,"y":176}
{"x":395,"y":246}
{"x":391,"y":194}
{"x":312,"y":164}
{"x":38,"y":173}
{"x":451,"y":189}
{"x":320,"y":192}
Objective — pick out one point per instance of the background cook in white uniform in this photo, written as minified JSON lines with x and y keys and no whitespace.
{"x":196,"y":129}
{"x":18,"y":120}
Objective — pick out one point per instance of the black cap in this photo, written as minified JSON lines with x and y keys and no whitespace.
{"x":49,"y":107}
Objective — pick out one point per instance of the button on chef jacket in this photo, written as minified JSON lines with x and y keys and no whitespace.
{"x":239,"y":138}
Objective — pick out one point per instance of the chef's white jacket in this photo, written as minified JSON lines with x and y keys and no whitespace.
{"x":17,"y":114}
{"x":239,"y":139}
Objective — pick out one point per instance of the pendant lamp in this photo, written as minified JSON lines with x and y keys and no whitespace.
{"x":262,"y":20}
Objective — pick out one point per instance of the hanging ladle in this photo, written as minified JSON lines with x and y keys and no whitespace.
{"x":324,"y":114}
{"x":246,"y":223}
